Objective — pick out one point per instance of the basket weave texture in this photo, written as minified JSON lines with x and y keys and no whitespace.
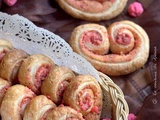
{"x":119,"y":106}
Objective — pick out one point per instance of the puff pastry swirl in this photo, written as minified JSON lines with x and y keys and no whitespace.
{"x":10,"y":64}
{"x":33,"y":71}
{"x":5,"y":46}
{"x":93,"y":10}
{"x":128,"y":47}
{"x":15,"y":101}
{"x":64,"y":113}
{"x":84,"y":95}
{"x":38,"y":108}
{"x":4,"y":85}
{"x":56,"y":82}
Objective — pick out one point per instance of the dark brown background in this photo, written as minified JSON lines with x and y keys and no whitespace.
{"x":141,"y":88}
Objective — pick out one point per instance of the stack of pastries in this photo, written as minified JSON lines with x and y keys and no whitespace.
{"x":33,"y":87}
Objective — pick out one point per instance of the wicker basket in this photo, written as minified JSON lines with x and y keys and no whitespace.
{"x":118,"y":105}
{"x":21,"y":32}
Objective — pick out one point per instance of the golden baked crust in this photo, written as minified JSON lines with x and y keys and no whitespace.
{"x":56,"y":82}
{"x":64,"y":113}
{"x":4,"y":85}
{"x":5,"y":46}
{"x":93,"y":10}
{"x":14,"y":102}
{"x":129,"y":48}
{"x":94,"y":36}
{"x":10,"y":64}
{"x":38,"y":108}
{"x":33,"y":71}
{"x":84,"y":94}
{"x":6,"y":43}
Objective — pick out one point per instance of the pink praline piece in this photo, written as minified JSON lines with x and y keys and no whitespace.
{"x":131,"y":116}
{"x":135,"y":9}
{"x":10,"y":2}
{"x":106,"y":119}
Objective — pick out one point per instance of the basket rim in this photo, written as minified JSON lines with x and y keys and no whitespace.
{"x":120,"y":109}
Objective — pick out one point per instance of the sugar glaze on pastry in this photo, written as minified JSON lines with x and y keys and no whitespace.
{"x":15,"y":101}
{"x":10,"y":64}
{"x":64,"y":113}
{"x":128,"y":47}
{"x":4,"y":85}
{"x":5,"y":46}
{"x":56,"y":82}
{"x":84,"y":94}
{"x":33,"y":71}
{"x":38,"y":108}
{"x":93,"y":10}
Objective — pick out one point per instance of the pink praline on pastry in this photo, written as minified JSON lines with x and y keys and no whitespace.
{"x":135,"y":9}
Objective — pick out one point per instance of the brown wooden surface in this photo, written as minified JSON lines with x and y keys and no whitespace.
{"x":141,"y":87}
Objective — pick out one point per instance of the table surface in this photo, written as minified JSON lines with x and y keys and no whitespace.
{"x":141,"y":88}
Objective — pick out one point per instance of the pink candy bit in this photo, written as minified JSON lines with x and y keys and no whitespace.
{"x":10,"y":2}
{"x":131,"y":116}
{"x":106,"y":119}
{"x":135,"y":9}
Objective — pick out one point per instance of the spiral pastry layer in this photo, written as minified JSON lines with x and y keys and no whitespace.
{"x":33,"y":71}
{"x":10,"y":64}
{"x":93,"y":10}
{"x":5,"y":46}
{"x":84,"y":95}
{"x":4,"y":85}
{"x":64,"y":113}
{"x":93,"y":37}
{"x":15,"y":101}
{"x":128,"y":47}
{"x":38,"y":108}
{"x":56,"y":82}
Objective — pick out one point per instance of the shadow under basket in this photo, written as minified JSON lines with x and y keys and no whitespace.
{"x":114,"y":104}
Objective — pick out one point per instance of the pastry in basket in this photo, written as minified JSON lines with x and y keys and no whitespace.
{"x":93,"y":10}
{"x":10,"y":64}
{"x":5,"y":46}
{"x":56,"y":82}
{"x":64,"y":113}
{"x":33,"y":71}
{"x":4,"y":85}
{"x":38,"y":108}
{"x":84,"y":94}
{"x":128,"y":46}
{"x":15,"y":101}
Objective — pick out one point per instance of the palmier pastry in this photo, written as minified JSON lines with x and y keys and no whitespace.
{"x":38,"y":108}
{"x":84,"y":95}
{"x":4,"y":85}
{"x":10,"y":65}
{"x":93,"y":10}
{"x":64,"y":113}
{"x":56,"y":82}
{"x":33,"y":71}
{"x":15,"y":101}
{"x":128,"y":47}
{"x":5,"y":46}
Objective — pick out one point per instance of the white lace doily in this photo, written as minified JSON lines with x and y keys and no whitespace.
{"x":23,"y":34}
